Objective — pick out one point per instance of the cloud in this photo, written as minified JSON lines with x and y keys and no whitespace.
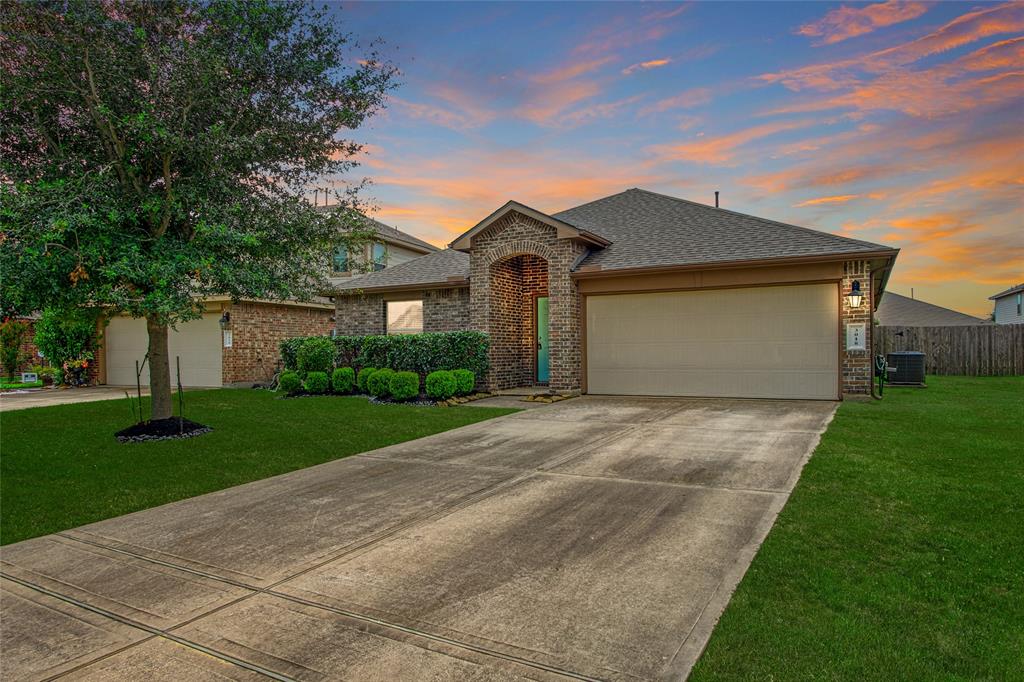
{"x":837,"y":199}
{"x":646,"y":66}
{"x":688,"y":99}
{"x":849,"y":22}
{"x":546,"y":106}
{"x":722,"y":149}
{"x":569,"y":71}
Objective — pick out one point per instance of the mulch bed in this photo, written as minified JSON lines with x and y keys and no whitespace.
{"x":172,"y":428}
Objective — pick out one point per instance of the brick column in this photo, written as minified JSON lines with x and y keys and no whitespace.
{"x":857,"y":365}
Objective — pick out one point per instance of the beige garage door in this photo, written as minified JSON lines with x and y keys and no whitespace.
{"x":198,"y":342}
{"x":764,"y":342}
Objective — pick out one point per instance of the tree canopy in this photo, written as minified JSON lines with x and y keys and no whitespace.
{"x":152,"y":153}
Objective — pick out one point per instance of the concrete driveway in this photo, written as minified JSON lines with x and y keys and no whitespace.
{"x":44,"y":397}
{"x":597,"y":538}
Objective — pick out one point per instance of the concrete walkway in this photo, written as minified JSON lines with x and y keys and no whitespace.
{"x":43,"y":397}
{"x":597,"y":538}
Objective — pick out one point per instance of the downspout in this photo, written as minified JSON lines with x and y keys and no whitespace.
{"x":884,"y":271}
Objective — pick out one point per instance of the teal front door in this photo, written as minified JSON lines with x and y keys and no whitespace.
{"x":543,"y":364}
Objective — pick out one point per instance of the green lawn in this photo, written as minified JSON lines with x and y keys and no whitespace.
{"x":60,"y":467}
{"x":900,"y":555}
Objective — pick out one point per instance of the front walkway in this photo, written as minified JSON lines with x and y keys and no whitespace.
{"x":594,"y":538}
{"x":44,"y":397}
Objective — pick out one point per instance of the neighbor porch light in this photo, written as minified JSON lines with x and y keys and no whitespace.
{"x":225,"y":321}
{"x":855,"y":297}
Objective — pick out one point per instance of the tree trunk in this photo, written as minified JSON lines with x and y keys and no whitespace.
{"x":159,"y":369}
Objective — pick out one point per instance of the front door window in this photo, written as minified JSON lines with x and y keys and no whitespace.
{"x":543,"y":359}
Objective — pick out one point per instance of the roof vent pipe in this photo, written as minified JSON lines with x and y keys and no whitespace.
{"x":716,"y":198}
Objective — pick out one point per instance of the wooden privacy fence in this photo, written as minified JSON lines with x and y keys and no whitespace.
{"x":975,"y":350}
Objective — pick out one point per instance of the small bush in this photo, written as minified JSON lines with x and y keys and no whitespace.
{"x":364,"y":376}
{"x":379,"y":383}
{"x":290,"y":383}
{"x":464,"y":381}
{"x":441,"y":385}
{"x":316,"y":354}
{"x":404,"y":385}
{"x":316,"y":383}
{"x":343,"y":379}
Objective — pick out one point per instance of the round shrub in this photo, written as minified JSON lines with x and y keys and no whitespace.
{"x":404,"y":385}
{"x":441,"y":384}
{"x":379,"y":383}
{"x":316,"y":354}
{"x":343,"y":379}
{"x":364,"y":376}
{"x":464,"y":381}
{"x":316,"y":383}
{"x":290,"y":383}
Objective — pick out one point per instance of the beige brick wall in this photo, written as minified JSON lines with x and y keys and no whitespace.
{"x":257,"y":330}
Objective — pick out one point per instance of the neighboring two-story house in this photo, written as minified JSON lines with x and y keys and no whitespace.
{"x":1009,"y":306}
{"x":237,"y":343}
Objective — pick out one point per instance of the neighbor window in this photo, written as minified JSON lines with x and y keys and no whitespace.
{"x":405,"y":317}
{"x":341,"y":259}
{"x":380,"y":256}
{"x":1019,"y":296}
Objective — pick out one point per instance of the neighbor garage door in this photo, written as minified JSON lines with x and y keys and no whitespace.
{"x":763,"y":342}
{"x":197,"y":342}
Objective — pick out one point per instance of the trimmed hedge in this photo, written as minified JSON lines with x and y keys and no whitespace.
{"x":420,"y":353}
{"x":441,"y":385}
{"x":343,"y":380}
{"x":316,"y":383}
{"x":404,"y":385}
{"x":289,"y":382}
{"x":363,"y":378}
{"x":465,"y":381}
{"x":379,"y":383}
{"x":316,"y":354}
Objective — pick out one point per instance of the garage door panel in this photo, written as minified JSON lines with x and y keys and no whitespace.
{"x":197,"y":343}
{"x":765,"y":342}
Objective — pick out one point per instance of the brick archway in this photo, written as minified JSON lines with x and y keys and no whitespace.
{"x":515,"y":281}
{"x":520,"y":236}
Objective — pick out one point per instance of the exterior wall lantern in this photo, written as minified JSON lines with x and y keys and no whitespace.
{"x":225,"y":321}
{"x":855,"y":297}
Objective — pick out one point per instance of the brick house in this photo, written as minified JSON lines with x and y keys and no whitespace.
{"x":235,"y":343}
{"x":640,"y":293}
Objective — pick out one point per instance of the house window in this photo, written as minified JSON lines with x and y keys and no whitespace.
{"x":341,"y":259}
{"x":1019,"y":303}
{"x":380,"y":256}
{"x":405,"y":317}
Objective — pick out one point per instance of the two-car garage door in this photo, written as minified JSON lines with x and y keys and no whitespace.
{"x":197,"y":343}
{"x":762,"y":342}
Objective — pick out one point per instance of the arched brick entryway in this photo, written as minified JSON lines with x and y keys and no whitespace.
{"x":510,"y":243}
{"x":515,"y":284}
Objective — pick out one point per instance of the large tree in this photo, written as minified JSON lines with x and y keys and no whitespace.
{"x":157,"y":152}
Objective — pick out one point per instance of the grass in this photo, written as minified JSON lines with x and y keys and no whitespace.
{"x":61,"y":467}
{"x":900,"y":554}
{"x":12,"y":385}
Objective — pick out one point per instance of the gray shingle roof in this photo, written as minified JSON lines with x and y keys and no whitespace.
{"x":395,"y":235}
{"x":649,"y":230}
{"x":392,"y":234}
{"x":432,"y":268}
{"x":899,"y":311}
{"x":1011,"y":290}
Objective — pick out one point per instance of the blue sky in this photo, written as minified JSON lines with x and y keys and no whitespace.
{"x":895,"y":122}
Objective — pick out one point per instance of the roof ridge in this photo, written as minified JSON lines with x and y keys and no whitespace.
{"x":923,"y":302}
{"x":755,"y":217}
